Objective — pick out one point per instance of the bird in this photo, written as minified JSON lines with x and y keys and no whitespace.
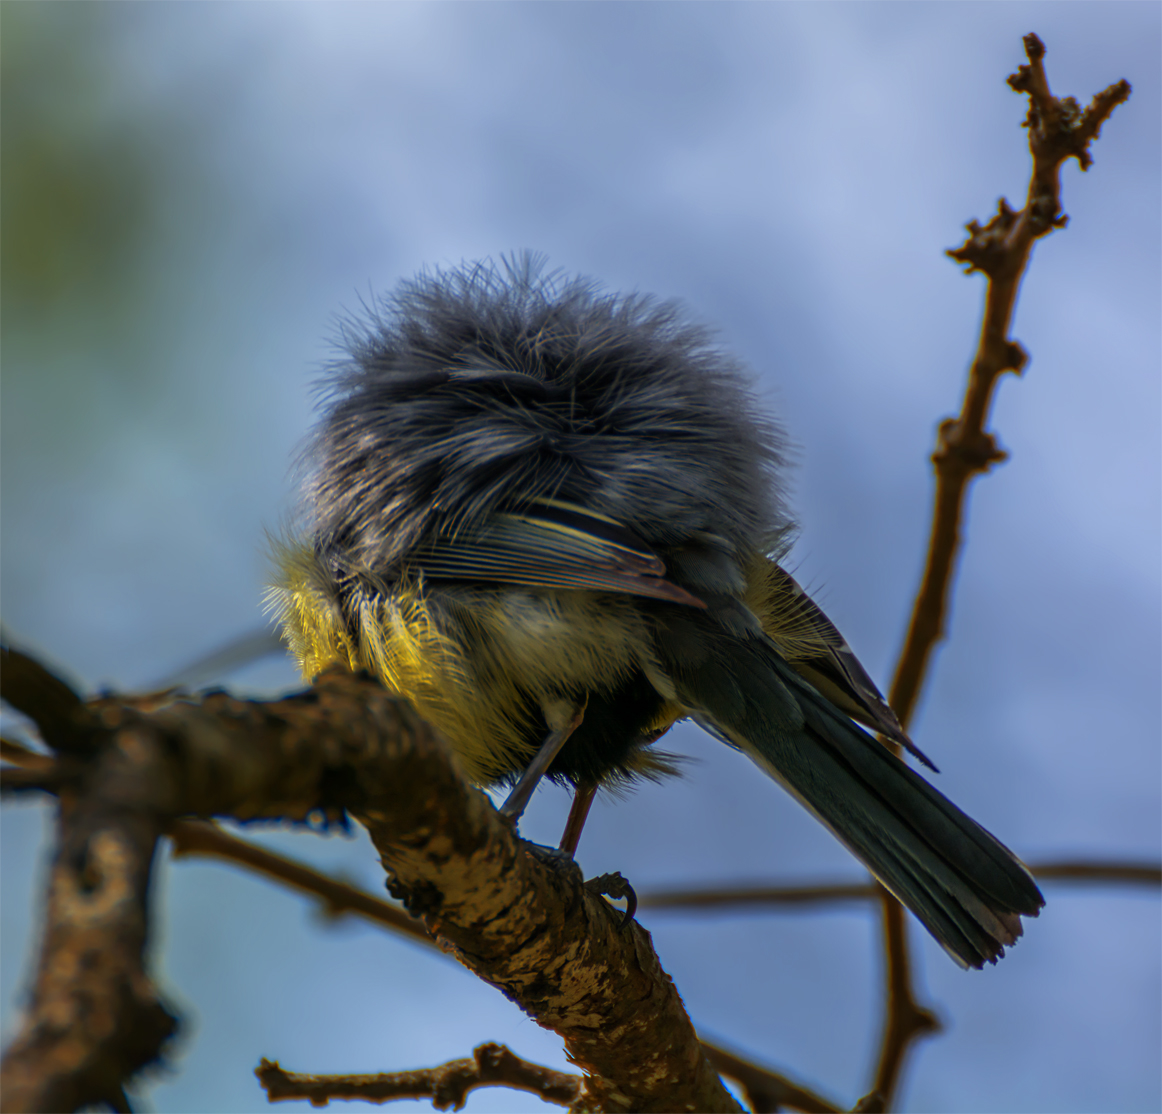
{"x":554,"y":518}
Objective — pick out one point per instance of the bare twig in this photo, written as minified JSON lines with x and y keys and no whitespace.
{"x":1000,"y":250}
{"x":791,"y":896}
{"x":1079,"y":870}
{"x":1058,"y":130}
{"x":710,"y":897}
{"x":448,"y":1086}
{"x":20,"y":755}
{"x":905,"y":1020}
{"x":196,"y":837}
{"x":766,"y":1090}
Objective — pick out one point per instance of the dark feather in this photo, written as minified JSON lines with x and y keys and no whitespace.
{"x":487,"y":388}
{"x":964,"y":885}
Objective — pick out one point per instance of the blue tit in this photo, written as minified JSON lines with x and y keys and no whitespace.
{"x":551,"y":517}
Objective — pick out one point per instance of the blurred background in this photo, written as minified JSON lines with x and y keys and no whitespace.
{"x":193,"y":196}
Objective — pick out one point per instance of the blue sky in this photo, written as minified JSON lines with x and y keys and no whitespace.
{"x":792,"y":172}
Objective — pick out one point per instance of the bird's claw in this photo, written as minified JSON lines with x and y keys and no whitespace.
{"x":614,"y":885}
{"x":604,"y":885}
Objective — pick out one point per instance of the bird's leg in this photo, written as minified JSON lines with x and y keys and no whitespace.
{"x":517,"y":801}
{"x":582,"y":801}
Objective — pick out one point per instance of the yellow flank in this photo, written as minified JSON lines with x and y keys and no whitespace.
{"x":308,"y":615}
{"x":479,"y":663}
{"x":475,"y":663}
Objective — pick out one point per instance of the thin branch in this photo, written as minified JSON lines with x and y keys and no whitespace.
{"x":965,"y":449}
{"x":448,"y":1086}
{"x":767,"y":1090}
{"x":711,"y":897}
{"x":905,"y":1020}
{"x":20,"y":755}
{"x":791,"y":896}
{"x":1081,"y":870}
{"x":46,"y":699}
{"x":1000,"y":250}
{"x":196,"y":837}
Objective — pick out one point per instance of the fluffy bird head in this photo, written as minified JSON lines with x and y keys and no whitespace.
{"x":487,"y":387}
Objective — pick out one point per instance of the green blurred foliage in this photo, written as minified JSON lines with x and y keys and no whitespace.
{"x":106,"y":186}
{"x":81,"y":176}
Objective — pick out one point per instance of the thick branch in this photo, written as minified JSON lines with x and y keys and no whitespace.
{"x":533,"y":931}
{"x":95,"y":1018}
{"x":529,"y":927}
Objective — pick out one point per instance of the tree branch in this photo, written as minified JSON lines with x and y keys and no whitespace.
{"x":196,"y":837}
{"x":448,"y":1086}
{"x":519,"y":921}
{"x":767,"y":1090}
{"x":712,"y":897}
{"x":965,"y":449}
{"x":95,"y":1018}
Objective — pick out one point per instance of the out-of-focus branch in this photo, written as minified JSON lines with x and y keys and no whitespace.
{"x":447,"y":1086}
{"x":1058,"y":130}
{"x":524,"y":924}
{"x":94,"y":1019}
{"x":711,"y":897}
{"x":122,"y":771}
{"x":196,"y":837}
{"x":1080,"y":870}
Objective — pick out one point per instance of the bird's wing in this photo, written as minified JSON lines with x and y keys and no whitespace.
{"x":552,"y":544}
{"x":816,"y":650}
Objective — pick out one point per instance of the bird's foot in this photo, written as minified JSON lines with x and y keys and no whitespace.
{"x":604,"y":885}
{"x":554,"y":858}
{"x":615,"y":886}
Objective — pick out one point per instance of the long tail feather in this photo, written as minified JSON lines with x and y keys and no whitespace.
{"x":965,"y":887}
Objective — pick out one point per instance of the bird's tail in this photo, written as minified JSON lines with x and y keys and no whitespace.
{"x":965,"y":886}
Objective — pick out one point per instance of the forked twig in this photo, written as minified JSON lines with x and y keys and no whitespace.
{"x":447,"y":1086}
{"x":766,"y":1090}
{"x":1058,"y":130}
